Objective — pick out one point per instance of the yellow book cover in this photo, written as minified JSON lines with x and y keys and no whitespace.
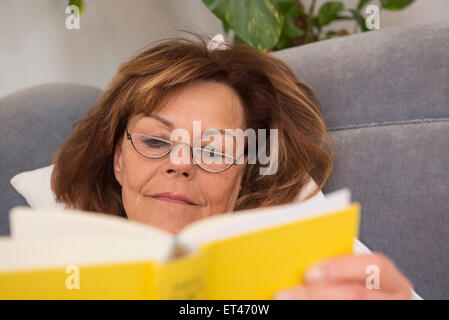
{"x":244,"y":255}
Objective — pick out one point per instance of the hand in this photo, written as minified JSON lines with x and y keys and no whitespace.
{"x":345,"y":277}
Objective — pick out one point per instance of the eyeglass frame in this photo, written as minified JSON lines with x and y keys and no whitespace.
{"x":129,"y":137}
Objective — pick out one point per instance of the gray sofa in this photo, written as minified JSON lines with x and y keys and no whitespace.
{"x":385,"y":97}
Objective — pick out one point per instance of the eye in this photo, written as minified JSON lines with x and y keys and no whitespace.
{"x":154,"y":143}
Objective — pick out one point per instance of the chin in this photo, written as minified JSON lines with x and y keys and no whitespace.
{"x":167,"y":217}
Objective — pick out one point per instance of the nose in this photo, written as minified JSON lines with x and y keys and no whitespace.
{"x":179,"y":163}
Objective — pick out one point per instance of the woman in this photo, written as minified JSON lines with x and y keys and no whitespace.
{"x":119,"y":159}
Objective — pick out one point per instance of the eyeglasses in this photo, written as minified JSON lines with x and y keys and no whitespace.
{"x":207,"y":158}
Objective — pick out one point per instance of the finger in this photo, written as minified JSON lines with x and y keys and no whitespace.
{"x":358,"y":268}
{"x":339,"y":291}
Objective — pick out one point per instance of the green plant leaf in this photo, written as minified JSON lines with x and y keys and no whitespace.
{"x":289,"y":9}
{"x":237,"y":39}
{"x":284,"y":42}
{"x":395,"y":5}
{"x":257,"y":22}
{"x":362,"y":4}
{"x":359,"y":19}
{"x":225,"y":26}
{"x":328,"y":12}
{"x":330,"y":34}
{"x":291,"y":30}
{"x":284,"y":6}
{"x":344,"y":17}
{"x":294,"y":11}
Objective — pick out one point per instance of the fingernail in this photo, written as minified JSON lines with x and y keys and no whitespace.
{"x":315,"y":273}
{"x":283,"y":295}
{"x":296,"y":294}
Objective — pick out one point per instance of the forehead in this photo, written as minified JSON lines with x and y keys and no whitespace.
{"x":215,"y":104}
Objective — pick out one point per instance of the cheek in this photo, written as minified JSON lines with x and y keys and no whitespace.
{"x":137,"y":172}
{"x":221,"y":189}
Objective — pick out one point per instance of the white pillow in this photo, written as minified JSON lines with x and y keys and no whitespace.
{"x":35,"y":187}
{"x":308,"y":189}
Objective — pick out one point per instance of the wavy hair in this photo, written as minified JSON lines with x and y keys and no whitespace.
{"x":272,"y":98}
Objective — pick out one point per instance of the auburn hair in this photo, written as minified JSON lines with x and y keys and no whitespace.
{"x":272,"y":98}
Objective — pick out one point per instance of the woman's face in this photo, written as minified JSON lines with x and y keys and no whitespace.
{"x":143,"y":179}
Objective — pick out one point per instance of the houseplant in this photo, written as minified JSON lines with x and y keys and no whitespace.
{"x":278,"y":24}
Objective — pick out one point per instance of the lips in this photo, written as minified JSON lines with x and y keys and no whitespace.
{"x":173,"y":198}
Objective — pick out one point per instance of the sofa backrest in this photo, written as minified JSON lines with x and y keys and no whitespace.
{"x":34,"y":123}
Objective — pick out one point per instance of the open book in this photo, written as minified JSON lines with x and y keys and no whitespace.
{"x":247,"y":254}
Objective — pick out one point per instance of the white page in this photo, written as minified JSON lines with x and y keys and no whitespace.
{"x":230,"y":225}
{"x":27,"y":223}
{"x":46,"y":253}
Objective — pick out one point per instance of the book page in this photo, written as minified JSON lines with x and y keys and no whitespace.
{"x":47,"y":253}
{"x":245,"y":221}
{"x":27,"y":223}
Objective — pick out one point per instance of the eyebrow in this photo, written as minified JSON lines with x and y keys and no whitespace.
{"x":163,"y":120}
{"x":171,"y":125}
